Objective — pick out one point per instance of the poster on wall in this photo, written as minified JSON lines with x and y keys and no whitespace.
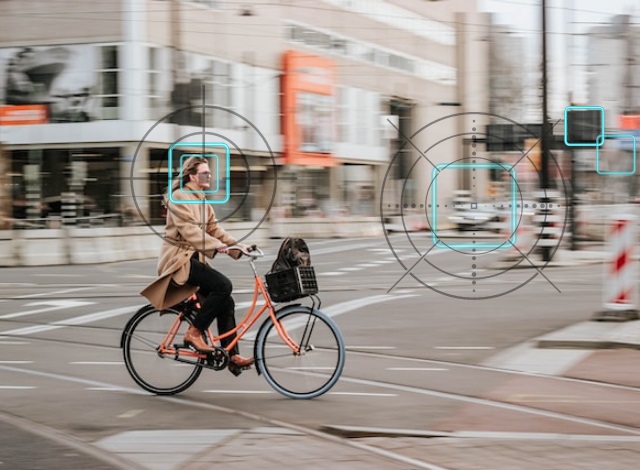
{"x":64,"y":79}
{"x":308,"y":95}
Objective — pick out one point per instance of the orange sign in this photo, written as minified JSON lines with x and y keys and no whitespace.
{"x":630,"y":122}
{"x":307,"y":108}
{"x":23,"y":114}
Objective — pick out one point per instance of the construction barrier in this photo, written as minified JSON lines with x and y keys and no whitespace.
{"x":620,"y":281}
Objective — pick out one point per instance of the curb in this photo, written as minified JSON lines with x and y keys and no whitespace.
{"x":69,"y":441}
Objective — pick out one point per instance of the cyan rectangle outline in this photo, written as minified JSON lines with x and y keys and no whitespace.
{"x":566,"y":142}
{"x":206,"y":155}
{"x":227,"y":165}
{"x":602,"y":138}
{"x":434,"y":206}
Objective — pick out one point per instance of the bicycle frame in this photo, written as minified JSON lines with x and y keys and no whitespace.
{"x":250,"y":318}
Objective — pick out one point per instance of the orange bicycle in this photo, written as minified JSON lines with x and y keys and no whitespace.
{"x":298,"y":349}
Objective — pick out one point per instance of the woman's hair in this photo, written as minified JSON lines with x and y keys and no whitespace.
{"x":189,"y":167}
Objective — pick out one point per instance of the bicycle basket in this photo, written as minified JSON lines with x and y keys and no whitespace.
{"x":291,"y":284}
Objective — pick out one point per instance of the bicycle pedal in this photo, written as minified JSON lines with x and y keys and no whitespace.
{"x":237,"y":370}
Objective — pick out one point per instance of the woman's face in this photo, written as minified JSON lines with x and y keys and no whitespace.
{"x":202,"y":177}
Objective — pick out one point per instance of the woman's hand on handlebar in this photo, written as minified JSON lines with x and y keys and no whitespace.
{"x":248,"y":250}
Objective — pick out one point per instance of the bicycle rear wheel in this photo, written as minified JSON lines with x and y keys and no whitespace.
{"x":310,"y":372}
{"x":162,"y":375}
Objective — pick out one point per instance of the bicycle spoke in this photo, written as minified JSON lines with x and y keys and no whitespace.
{"x":315,"y":368}
{"x":154,"y":372}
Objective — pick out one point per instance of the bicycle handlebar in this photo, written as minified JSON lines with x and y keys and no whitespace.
{"x":254,"y":251}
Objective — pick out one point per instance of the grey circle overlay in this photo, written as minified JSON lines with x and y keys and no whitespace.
{"x":406,"y":268}
{"x":200,"y":107}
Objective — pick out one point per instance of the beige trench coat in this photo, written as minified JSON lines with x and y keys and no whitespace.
{"x":189,"y":227}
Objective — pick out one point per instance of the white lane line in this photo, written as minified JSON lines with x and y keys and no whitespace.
{"x":368,"y":265}
{"x":130,"y":414}
{"x":380,"y":250}
{"x":352,"y":269}
{"x":339,"y":309}
{"x":106,"y":389}
{"x":384,"y":261}
{"x":364,"y":394}
{"x":335,"y":273}
{"x":55,"y":292}
{"x":464,"y":347}
{"x":370,"y":347}
{"x":97,"y":363}
{"x":311,"y":368}
{"x":81,"y":320}
{"x":238,"y":391}
{"x":416,"y":368}
{"x":55,"y":305}
{"x":13,"y":343}
{"x":16,"y":362}
{"x":58,"y":275}
{"x":16,"y":387}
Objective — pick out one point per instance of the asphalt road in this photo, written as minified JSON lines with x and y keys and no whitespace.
{"x":61,"y":366}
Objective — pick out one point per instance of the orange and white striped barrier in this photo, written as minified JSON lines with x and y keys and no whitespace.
{"x":620,"y":289}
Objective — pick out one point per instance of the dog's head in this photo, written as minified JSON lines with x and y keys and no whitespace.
{"x":298,"y":253}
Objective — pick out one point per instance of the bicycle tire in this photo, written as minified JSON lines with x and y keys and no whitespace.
{"x":157,"y":374}
{"x":306,"y":375}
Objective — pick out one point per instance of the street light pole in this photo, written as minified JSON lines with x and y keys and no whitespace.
{"x":545,"y":138}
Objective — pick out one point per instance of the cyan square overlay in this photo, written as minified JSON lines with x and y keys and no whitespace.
{"x":628,"y":137}
{"x":227,"y":165}
{"x":513,"y":223}
{"x":597,"y":143}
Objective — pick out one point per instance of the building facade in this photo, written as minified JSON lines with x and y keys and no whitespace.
{"x":301,"y":106}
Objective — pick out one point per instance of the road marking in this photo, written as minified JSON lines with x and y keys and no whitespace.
{"x":311,"y":368}
{"x":81,"y":320}
{"x":368,"y":265}
{"x":364,"y":394}
{"x":56,"y":305}
{"x":16,"y":387}
{"x":412,"y":463}
{"x":335,"y":273}
{"x":130,"y":414}
{"x":464,"y":347}
{"x":238,"y":391}
{"x":55,"y":292}
{"x":339,"y":309}
{"x":16,"y":362}
{"x":13,"y":343}
{"x":370,"y":347}
{"x":106,"y":389}
{"x":519,"y":398}
{"x":97,"y":363}
{"x":352,"y":269}
{"x":57,"y":275}
{"x":416,"y":368}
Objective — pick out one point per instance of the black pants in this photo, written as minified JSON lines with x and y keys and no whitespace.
{"x":216,"y":288}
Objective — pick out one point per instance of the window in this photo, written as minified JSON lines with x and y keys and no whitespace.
{"x":109,"y":73}
{"x":153,"y":85}
{"x":342,"y":114}
{"x":219,"y":92}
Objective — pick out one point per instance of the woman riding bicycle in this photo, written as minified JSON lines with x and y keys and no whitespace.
{"x":191,"y":235}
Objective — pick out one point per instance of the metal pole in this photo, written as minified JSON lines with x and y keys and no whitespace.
{"x":545,"y":141}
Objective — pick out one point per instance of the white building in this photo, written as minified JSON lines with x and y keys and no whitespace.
{"x":94,"y":93}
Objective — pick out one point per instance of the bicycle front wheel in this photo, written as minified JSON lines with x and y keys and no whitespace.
{"x":315,"y":367}
{"x":154,"y":372}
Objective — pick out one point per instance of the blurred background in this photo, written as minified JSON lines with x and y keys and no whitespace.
{"x":330,"y":99}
